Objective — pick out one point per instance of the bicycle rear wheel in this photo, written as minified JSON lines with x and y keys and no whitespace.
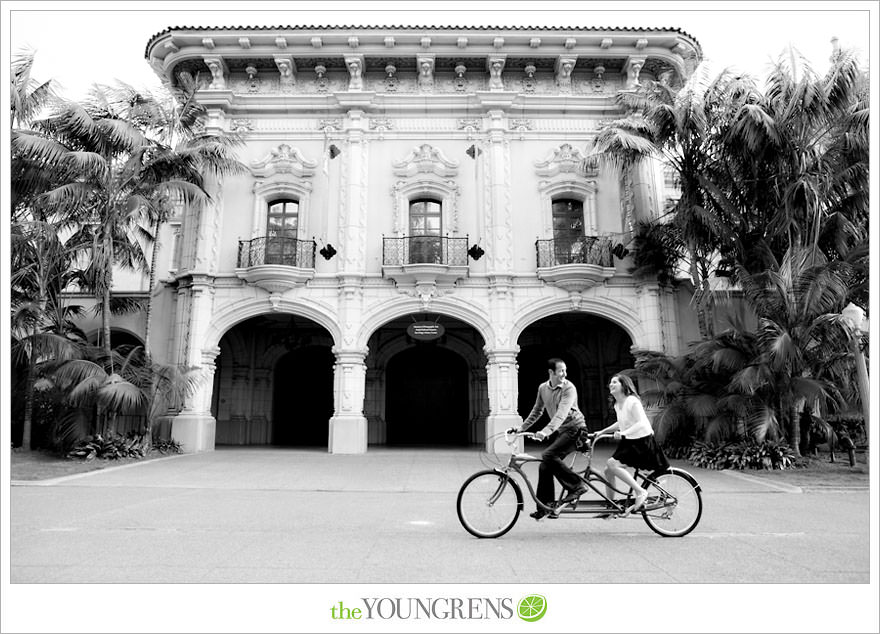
{"x":674,"y":505}
{"x":489,"y":503}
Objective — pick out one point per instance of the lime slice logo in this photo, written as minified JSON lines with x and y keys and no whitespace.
{"x":532,"y":608}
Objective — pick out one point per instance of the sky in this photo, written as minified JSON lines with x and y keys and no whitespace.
{"x":78,"y":43}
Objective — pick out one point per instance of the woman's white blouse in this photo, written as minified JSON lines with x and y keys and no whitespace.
{"x":632,"y":421}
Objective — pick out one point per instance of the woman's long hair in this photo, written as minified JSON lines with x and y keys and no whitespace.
{"x":628,"y":385}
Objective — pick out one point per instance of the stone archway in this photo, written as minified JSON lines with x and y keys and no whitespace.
{"x":593,"y":348}
{"x":428,"y":393}
{"x":273,"y":382}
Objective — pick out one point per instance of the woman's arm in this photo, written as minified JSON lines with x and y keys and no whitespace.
{"x":612,"y":427}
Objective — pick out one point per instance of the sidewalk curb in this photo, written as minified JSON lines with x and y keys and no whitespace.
{"x":60,"y":480}
{"x":784,"y":488}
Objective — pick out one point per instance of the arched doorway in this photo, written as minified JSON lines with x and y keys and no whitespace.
{"x":427,"y":398}
{"x":593,"y":348}
{"x":426,"y":389}
{"x":303,"y":397}
{"x":273,"y":383}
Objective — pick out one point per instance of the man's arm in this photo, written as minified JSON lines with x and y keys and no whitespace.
{"x":535,"y":414}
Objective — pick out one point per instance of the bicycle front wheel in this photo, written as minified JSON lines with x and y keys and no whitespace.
{"x":674,"y":505}
{"x":489,"y":503}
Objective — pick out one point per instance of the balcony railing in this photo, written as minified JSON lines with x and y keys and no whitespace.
{"x":425,"y":250}
{"x":276,"y":250}
{"x":584,"y":250}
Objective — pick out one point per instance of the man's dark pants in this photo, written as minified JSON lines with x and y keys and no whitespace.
{"x":552,"y":464}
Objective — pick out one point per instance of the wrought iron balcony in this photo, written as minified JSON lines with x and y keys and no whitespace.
{"x":276,"y":250}
{"x":575,"y":265}
{"x":276,"y":263}
{"x":441,"y":250}
{"x":584,"y":250}
{"x":420,"y":264}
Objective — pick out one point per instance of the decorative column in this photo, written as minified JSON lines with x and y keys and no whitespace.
{"x":195,"y":428}
{"x":495,"y":197}
{"x":348,"y":426}
{"x":502,"y":380}
{"x":644,"y":186}
{"x":649,"y":297}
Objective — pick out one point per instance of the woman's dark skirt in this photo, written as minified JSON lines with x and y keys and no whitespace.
{"x":641,"y":453}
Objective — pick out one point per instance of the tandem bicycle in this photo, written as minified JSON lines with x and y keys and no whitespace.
{"x":490,"y":501}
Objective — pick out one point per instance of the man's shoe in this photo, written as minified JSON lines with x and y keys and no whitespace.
{"x":540,"y":514}
{"x":575,"y":494}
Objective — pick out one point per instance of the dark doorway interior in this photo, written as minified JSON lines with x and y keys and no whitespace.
{"x":427,"y":397}
{"x":303,"y":399}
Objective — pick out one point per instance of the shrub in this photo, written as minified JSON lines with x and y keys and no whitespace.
{"x":111,"y":448}
{"x":168,"y":445}
{"x":742,"y":455}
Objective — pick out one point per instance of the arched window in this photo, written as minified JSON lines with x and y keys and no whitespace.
{"x":425,"y":230}
{"x":281,"y":232}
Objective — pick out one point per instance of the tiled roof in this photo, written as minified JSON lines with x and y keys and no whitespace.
{"x":417,"y":27}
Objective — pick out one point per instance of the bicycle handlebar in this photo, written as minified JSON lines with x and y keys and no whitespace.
{"x":512,"y":433}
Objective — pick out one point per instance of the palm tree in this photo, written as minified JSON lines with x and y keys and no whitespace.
{"x":41,"y":320}
{"x":800,"y":333}
{"x":125,"y":183}
{"x":798,"y":157}
{"x":679,"y":127}
{"x":28,"y":96}
{"x":137,"y":386}
{"x":188,"y":153}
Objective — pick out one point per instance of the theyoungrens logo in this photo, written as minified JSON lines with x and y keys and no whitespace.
{"x":529,"y":608}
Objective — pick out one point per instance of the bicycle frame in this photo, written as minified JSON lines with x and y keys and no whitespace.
{"x":588,"y":476}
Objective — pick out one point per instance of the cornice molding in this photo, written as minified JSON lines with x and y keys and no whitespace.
{"x":168,"y":49}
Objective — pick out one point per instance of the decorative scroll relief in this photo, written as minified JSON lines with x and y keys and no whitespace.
{"x":426,"y":159}
{"x":565,"y":159}
{"x":284,"y":160}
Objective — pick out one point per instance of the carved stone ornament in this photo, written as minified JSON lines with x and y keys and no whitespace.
{"x":391,"y":81}
{"x":496,"y":66}
{"x":460,"y":82}
{"x":426,"y":74}
{"x":321,"y":82}
{"x":564,"y":68}
{"x":355,"y":65}
{"x":564,"y":159}
{"x":381,"y":125}
{"x":426,"y":159}
{"x":284,"y":160}
{"x":330,"y":125}
{"x":287,"y":72}
{"x":241,"y":126}
{"x":253,"y":83}
{"x":599,"y":79}
{"x":633,"y":68}
{"x":218,"y":72}
{"x":529,"y":83}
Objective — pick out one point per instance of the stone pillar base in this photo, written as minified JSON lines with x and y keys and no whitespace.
{"x":496,"y":424}
{"x":194,"y":432}
{"x":348,"y":434}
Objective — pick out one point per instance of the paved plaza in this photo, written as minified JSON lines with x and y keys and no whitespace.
{"x":273,"y":515}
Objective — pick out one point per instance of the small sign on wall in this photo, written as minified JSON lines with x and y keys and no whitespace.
{"x":425,"y":330}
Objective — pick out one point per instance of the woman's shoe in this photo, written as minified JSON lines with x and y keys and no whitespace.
{"x":639,"y":502}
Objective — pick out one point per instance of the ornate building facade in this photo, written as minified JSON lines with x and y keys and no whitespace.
{"x":416,"y":234}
